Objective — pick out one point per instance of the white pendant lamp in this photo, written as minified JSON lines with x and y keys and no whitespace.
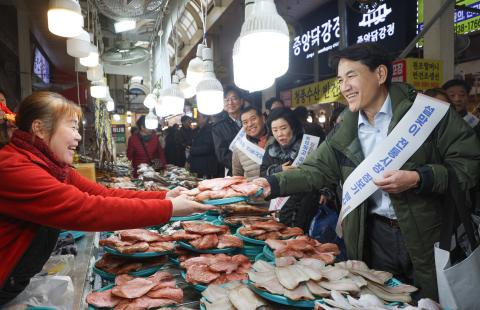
{"x":150,"y":101}
{"x":98,"y":89}
{"x":195,"y":68}
{"x":110,"y":104}
{"x":263,"y":43}
{"x":92,"y":59}
{"x":95,"y":73}
{"x":79,"y":46}
{"x":172,"y":97}
{"x":151,"y":120}
{"x":65,"y":18}
{"x":253,"y":79}
{"x":209,"y":90}
{"x":160,"y":109}
{"x":187,"y":89}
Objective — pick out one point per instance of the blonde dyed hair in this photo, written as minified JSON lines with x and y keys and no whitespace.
{"x":48,"y":107}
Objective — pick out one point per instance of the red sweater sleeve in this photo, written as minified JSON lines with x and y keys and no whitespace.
{"x":93,"y":188}
{"x":30,"y":193}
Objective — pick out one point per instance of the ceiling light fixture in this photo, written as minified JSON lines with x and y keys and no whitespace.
{"x":209,"y":90}
{"x":150,"y":101}
{"x":172,"y":97}
{"x":92,"y":59}
{"x":125,"y":25}
{"x":263,"y":45}
{"x":95,"y":73}
{"x":195,"y":68}
{"x":65,"y":18}
{"x":98,"y":89}
{"x":187,"y":89}
{"x":151,"y":120}
{"x":79,"y":46}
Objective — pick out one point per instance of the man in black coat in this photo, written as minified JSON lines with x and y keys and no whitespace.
{"x":227,"y":126}
{"x":202,"y":153}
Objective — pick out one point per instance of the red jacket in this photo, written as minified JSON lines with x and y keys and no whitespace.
{"x":136,"y":153}
{"x":31,"y":197}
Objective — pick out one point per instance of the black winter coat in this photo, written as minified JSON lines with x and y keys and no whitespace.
{"x":202,"y":153}
{"x":299,"y":209}
{"x":224,"y":131}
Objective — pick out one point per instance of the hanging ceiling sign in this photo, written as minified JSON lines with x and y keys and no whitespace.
{"x":392,"y":23}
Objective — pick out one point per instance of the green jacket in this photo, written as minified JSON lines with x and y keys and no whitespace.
{"x":417,"y":211}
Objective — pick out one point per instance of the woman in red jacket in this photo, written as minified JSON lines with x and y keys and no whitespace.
{"x":40,"y":193}
{"x":144,"y":148}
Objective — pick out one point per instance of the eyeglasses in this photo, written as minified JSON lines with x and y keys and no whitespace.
{"x":231,"y":99}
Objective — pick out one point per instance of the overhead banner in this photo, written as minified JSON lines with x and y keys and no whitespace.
{"x":309,"y":144}
{"x":404,"y":140}
{"x":321,"y":92}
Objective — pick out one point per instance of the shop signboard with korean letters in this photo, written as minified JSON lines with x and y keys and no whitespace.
{"x":392,"y":23}
{"x":420,"y":73}
{"x":321,"y":92}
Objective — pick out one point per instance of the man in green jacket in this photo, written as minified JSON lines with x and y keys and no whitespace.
{"x":396,"y":227}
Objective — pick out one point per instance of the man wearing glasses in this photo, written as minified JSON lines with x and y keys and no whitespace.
{"x":227,"y":126}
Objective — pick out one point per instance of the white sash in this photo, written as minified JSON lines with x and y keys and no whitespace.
{"x":404,"y":140}
{"x":239,"y":136}
{"x":309,"y":144}
{"x":253,"y":151}
{"x":471,"y":119}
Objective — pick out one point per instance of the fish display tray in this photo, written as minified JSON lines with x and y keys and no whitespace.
{"x":200,"y":288}
{"x":138,"y":255}
{"x":230,"y":200}
{"x":192,"y":217}
{"x":75,"y":234}
{"x":248,"y":239}
{"x":267,"y":252}
{"x":281,"y":299}
{"x":187,"y":246}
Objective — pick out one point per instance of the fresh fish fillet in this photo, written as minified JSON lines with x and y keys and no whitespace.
{"x":133,"y":289}
{"x":316,"y":289}
{"x":266,"y":280}
{"x":290,"y":276}
{"x":244,"y":299}
{"x":261,"y":266}
{"x":301,"y":292}
{"x":344,"y":285}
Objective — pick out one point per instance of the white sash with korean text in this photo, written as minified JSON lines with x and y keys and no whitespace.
{"x":404,"y":140}
{"x":471,"y":119}
{"x":240,"y":135}
{"x":253,"y":151}
{"x":308,"y":145}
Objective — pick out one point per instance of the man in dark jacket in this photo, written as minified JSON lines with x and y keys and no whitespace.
{"x":202,"y":153}
{"x":184,"y":139}
{"x":457,"y":92}
{"x":227,"y":126}
{"x":396,"y":227}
